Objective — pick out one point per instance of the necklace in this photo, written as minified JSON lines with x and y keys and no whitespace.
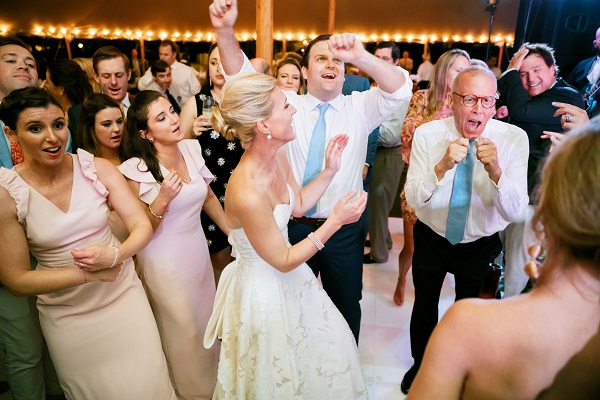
{"x":184,"y":177}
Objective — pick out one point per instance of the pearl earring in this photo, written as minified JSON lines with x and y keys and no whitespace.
{"x":269,"y":135}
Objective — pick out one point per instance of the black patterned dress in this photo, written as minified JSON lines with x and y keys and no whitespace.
{"x":221,"y":157}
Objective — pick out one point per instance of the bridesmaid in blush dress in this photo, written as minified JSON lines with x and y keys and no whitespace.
{"x":96,"y":318}
{"x":101,"y":128}
{"x":170,"y":178}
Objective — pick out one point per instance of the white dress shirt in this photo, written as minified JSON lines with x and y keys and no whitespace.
{"x":493,"y":206}
{"x":126,"y":104}
{"x":355,"y":115}
{"x":184,"y":84}
{"x":594,"y":73}
{"x":425,"y":71}
{"x":390,"y":128}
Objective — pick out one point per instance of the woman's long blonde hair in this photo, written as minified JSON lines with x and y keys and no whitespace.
{"x":437,"y":90}
{"x":568,"y":212}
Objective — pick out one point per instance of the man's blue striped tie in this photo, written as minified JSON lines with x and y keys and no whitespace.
{"x":460,"y":200}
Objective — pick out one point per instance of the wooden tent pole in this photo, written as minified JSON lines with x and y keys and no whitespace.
{"x":264,"y":30}
{"x":143,"y":56}
{"x":331,"y":23}
{"x":500,"y":51}
{"x":68,"y":45}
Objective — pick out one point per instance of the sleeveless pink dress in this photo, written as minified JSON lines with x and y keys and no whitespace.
{"x":178,"y":275}
{"x":101,"y":335}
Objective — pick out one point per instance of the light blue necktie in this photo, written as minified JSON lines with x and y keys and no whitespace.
{"x":316,"y":152}
{"x":460,"y":200}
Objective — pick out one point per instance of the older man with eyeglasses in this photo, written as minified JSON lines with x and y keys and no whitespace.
{"x":466,"y":182}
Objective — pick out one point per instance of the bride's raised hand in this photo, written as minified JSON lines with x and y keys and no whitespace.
{"x":347,"y":212}
{"x":333,"y":152}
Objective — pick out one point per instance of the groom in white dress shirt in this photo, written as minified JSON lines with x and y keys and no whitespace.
{"x":340,"y":263}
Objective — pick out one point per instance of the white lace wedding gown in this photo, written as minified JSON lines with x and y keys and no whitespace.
{"x":282,"y":337}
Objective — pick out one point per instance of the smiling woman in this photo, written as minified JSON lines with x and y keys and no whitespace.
{"x":84,"y":279}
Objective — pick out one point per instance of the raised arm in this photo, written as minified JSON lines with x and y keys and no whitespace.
{"x":158,"y":208}
{"x":129,"y":210}
{"x":308,"y":196}
{"x":348,"y":48}
{"x":252,"y":209}
{"x":223,"y":14}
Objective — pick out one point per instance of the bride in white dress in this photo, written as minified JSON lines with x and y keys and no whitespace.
{"x":282,"y":337}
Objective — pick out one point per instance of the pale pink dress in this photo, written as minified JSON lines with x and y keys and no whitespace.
{"x":178,"y":275}
{"x":102,"y":336}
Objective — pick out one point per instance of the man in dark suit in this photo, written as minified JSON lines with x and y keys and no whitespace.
{"x":581,"y":76}
{"x":586,"y":75}
{"x":529,"y":87}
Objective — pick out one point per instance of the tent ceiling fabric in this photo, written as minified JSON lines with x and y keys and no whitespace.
{"x":416,"y":17}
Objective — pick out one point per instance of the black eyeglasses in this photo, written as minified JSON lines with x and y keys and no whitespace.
{"x":469,"y":100}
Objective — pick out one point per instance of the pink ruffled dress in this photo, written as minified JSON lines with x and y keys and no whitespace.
{"x":178,"y":275}
{"x":102,"y":336}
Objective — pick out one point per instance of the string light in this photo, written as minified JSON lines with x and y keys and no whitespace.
{"x":116,"y":33}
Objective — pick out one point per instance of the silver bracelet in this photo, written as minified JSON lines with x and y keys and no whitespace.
{"x":318,"y":244}
{"x":116,"y":256}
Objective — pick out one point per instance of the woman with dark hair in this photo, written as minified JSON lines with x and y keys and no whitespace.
{"x":221,"y":155}
{"x":170,"y":177}
{"x":425,"y":105}
{"x":91,"y":303}
{"x":471,"y":355}
{"x":67,"y":82}
{"x":101,"y":128}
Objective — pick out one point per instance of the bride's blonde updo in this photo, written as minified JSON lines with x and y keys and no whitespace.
{"x":246,"y":100}
{"x":569,"y":206}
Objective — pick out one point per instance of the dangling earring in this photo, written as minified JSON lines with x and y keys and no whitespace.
{"x":151,"y":140}
{"x":531,"y":268}
{"x":269,"y":135}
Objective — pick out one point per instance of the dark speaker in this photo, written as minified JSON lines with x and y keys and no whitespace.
{"x":568,"y":26}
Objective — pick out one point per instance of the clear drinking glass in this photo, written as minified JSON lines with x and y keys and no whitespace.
{"x":207,"y":105}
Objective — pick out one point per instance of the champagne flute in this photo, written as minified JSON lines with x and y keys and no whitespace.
{"x":207,"y":105}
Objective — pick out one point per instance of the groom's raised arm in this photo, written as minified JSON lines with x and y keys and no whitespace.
{"x":223,"y":14}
